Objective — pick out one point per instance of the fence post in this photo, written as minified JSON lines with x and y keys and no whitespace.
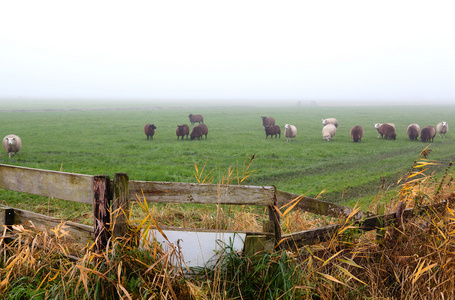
{"x":120,"y":205}
{"x":101,"y":211}
{"x":275,"y":218}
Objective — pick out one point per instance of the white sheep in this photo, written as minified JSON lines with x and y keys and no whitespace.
{"x":330,"y":121}
{"x":442,"y":128}
{"x":290,"y":132}
{"x":12,"y":144}
{"x":328,"y":132}
{"x":378,"y":125}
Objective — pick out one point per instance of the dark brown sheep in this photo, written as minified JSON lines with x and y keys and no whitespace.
{"x":387,"y":131}
{"x":357,"y":133}
{"x":272,"y":130}
{"x":413,"y":132}
{"x":196,"y":119}
{"x":182,"y":130}
{"x":205,"y":130}
{"x":267,"y":121}
{"x":427,"y":134}
{"x":149,"y":130}
{"x":197,"y":132}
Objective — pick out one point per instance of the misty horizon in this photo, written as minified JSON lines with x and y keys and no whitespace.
{"x":334,"y":53}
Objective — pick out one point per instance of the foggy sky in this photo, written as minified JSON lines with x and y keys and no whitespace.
{"x":329,"y":51}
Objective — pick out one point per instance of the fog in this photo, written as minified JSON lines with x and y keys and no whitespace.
{"x":235,"y":52}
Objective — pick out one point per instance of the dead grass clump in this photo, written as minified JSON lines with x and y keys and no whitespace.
{"x":413,"y":259}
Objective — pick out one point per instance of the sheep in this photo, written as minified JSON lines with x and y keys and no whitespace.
{"x":357,"y":133}
{"x":198,"y":131}
{"x":205,"y":130}
{"x":149,"y":130}
{"x":267,"y":121}
{"x":328,"y":132}
{"x":272,"y":130}
{"x":413,"y":132}
{"x":290,"y":132}
{"x":12,"y":144}
{"x":377,"y":125}
{"x":387,"y":131}
{"x":196,"y":119}
{"x":330,"y":121}
{"x":427,"y":134}
{"x":442,"y":128}
{"x":182,"y":130}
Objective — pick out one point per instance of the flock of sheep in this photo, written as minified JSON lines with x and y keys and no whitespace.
{"x":12,"y":143}
{"x":330,"y":126}
{"x":385,"y":131}
{"x":183,"y":129}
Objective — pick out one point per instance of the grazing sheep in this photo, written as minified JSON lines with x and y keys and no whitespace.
{"x":272,"y":130}
{"x":149,"y":130}
{"x":197,"y":132}
{"x":196,"y":119}
{"x":205,"y":130}
{"x":12,"y":144}
{"x":330,"y":121}
{"x":267,"y":121}
{"x":328,"y":132}
{"x":377,"y":125}
{"x":182,"y":130}
{"x":427,"y":134}
{"x":387,"y":131}
{"x":357,"y":133}
{"x":290,"y":132}
{"x":413,"y":132}
{"x":442,"y":128}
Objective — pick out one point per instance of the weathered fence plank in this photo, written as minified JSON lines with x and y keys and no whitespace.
{"x":318,"y":207}
{"x":79,"y":232}
{"x":308,"y":237}
{"x":176,"y":192}
{"x":318,"y":235}
{"x":59,"y":185}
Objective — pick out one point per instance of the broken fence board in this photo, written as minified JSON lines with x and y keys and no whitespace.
{"x":177,"y":192}
{"x":322,"y":234}
{"x":318,"y":207}
{"x":79,"y":232}
{"x":59,"y":185}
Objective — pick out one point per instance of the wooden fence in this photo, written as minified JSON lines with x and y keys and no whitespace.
{"x":110,"y":200}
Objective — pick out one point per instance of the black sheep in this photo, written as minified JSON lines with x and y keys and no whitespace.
{"x":357,"y":133}
{"x":182,"y":130}
{"x":272,"y":130}
{"x":267,"y":121}
{"x":387,"y":131}
{"x":196,"y":119}
{"x":413,"y":132}
{"x":199,"y":131}
{"x":427,"y":134}
{"x":149,"y":130}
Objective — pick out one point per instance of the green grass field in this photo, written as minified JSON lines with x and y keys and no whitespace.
{"x":103,"y":138}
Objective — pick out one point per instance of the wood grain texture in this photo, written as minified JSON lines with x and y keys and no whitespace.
{"x":58,"y":185}
{"x":79,"y":232}
{"x":176,"y":192}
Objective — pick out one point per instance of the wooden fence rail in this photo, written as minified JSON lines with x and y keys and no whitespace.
{"x":111,"y":218}
{"x":100,"y":191}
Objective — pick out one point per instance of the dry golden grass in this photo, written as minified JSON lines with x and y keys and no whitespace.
{"x":413,"y":261}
